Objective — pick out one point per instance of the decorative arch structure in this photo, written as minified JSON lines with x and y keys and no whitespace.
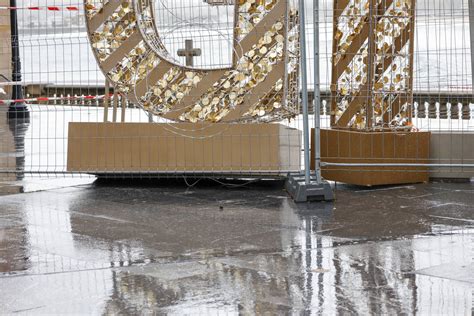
{"x":261,"y":85}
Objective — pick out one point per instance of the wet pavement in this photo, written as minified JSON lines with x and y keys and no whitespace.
{"x":161,"y":247}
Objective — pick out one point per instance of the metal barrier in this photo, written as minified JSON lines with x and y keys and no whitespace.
{"x":59,"y":64}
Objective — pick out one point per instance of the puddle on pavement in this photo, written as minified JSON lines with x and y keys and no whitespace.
{"x":84,"y":251}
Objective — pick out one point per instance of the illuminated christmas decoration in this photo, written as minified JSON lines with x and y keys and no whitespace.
{"x":372,"y":74}
{"x":261,"y":84}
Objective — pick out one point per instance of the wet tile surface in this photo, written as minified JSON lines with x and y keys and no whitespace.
{"x":114,"y":248}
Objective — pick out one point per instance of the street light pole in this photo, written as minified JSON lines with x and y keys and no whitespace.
{"x":16,"y":109}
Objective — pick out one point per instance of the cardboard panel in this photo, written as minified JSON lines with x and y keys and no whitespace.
{"x":144,"y":147}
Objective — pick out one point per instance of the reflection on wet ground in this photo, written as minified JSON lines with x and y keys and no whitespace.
{"x":111,"y":248}
{"x":12,"y":143}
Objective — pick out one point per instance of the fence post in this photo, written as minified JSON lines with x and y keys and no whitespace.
{"x":301,"y":187}
{"x":304,"y":92}
{"x":317,"y":95}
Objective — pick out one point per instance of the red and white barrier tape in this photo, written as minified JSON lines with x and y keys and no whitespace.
{"x":47,"y":8}
{"x":47,"y":99}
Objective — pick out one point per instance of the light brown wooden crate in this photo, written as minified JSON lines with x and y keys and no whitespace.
{"x":341,"y":146}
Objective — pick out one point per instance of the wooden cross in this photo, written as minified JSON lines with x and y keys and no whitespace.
{"x":189,"y":52}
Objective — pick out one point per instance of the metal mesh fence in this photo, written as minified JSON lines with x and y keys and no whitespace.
{"x":62,"y":83}
{"x":403,"y":68}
